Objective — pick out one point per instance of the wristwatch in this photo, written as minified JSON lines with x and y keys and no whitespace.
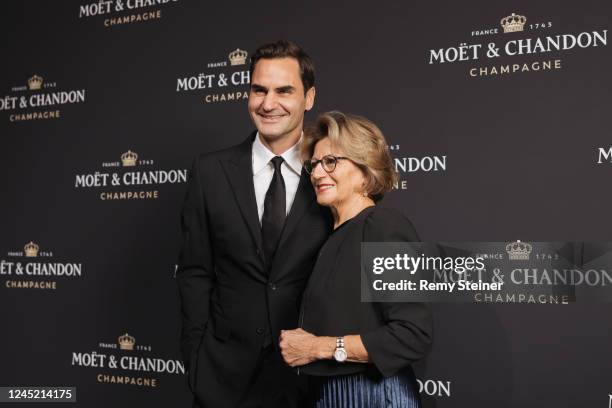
{"x":340,"y":352}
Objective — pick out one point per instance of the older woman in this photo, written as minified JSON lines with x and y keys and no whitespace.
{"x":357,"y":354}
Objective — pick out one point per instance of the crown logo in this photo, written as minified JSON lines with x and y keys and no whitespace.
{"x":129,"y":158}
{"x":31,"y":249}
{"x":513,"y":23}
{"x":126,"y":342}
{"x":35,"y":82}
{"x":518,"y":251}
{"x":238,"y":57}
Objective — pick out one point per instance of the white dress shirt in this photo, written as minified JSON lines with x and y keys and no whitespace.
{"x":263,"y":171}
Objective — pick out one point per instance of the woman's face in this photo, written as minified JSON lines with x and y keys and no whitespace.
{"x":342,"y":185}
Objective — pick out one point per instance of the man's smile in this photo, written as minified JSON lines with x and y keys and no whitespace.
{"x":270,"y":118}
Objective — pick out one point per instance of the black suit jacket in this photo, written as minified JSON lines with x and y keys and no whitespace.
{"x":230,"y":300}
{"x":394,"y":334}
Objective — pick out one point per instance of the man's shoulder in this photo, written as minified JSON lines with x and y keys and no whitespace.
{"x":215,"y":155}
{"x":228,"y":153}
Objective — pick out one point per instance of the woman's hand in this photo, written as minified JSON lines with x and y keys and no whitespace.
{"x":299,"y":347}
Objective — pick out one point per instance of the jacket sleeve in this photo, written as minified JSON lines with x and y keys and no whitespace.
{"x":195,"y":271}
{"x":407,"y":333}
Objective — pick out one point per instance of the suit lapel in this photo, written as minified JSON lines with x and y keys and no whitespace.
{"x":304,"y":197}
{"x":239,"y":171}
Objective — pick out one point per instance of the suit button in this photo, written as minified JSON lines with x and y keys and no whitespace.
{"x":272,"y":286}
{"x":260,"y":330}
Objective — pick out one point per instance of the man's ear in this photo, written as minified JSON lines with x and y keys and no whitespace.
{"x":310,"y":98}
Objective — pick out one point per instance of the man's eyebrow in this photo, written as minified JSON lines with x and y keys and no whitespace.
{"x":258,"y":87}
{"x":286,"y":88}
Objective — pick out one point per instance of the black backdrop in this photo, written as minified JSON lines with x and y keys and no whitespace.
{"x":519,"y":155}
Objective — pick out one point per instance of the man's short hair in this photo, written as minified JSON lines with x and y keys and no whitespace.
{"x":287,"y":49}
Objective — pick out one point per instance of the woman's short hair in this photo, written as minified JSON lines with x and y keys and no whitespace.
{"x":361,"y":141}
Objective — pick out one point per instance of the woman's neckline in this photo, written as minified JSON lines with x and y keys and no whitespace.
{"x":353,"y":217}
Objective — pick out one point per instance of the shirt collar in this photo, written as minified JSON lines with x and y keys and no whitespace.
{"x":262,"y":156}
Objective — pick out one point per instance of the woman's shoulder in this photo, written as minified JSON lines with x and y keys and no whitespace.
{"x":386,"y":216}
{"x":385,"y":224}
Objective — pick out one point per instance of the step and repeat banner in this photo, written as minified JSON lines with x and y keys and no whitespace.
{"x":498,"y":116}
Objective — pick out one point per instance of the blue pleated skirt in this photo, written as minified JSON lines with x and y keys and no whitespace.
{"x":365,"y":390}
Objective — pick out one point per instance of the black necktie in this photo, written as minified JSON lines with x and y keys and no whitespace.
{"x":274,"y":213}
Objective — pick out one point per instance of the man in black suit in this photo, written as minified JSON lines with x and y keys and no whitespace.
{"x":251,"y":230}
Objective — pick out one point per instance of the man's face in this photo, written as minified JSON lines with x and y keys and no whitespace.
{"x":276,"y":100}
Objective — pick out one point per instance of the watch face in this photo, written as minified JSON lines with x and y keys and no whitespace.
{"x":340,"y":355}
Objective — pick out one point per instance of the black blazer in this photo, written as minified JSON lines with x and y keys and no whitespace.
{"x":230,"y":301}
{"x":394,"y":334}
